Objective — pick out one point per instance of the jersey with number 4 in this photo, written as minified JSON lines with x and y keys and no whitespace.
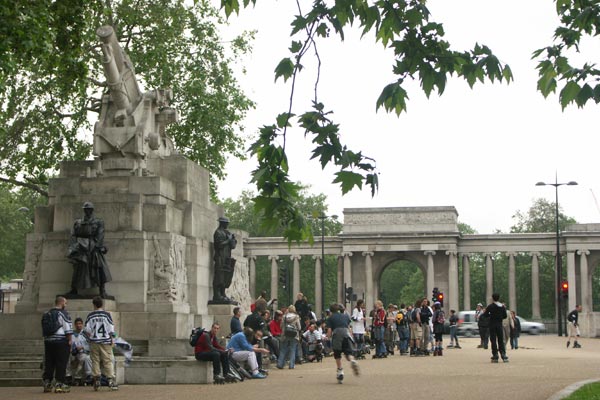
{"x":99,"y":327}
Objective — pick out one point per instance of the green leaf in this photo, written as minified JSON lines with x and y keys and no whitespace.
{"x":285,"y":68}
{"x":584,"y":95}
{"x":296,"y":46}
{"x":283,"y":120}
{"x":348,"y":180}
{"x":568,"y":93}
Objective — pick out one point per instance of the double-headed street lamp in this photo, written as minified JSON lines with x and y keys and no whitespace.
{"x":558,"y":256}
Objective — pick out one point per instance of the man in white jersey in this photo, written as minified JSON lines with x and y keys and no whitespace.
{"x":100,"y":330}
{"x":80,"y":361}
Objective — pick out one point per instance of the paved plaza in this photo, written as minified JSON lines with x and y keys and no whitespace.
{"x":542,"y":367}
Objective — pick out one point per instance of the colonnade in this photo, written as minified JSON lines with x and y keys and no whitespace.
{"x":345,"y":273}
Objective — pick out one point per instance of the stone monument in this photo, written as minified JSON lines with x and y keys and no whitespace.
{"x":158,"y":222}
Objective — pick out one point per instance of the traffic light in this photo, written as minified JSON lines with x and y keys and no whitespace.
{"x":283,"y":276}
{"x":434,"y":294}
{"x":440,"y":298}
{"x":349,"y":293}
{"x":564,"y":289}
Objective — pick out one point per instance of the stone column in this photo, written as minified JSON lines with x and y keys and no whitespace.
{"x":252,"y":276}
{"x":370,"y":297}
{"x":489,"y":277}
{"x":347,"y":270}
{"x":452,"y":281}
{"x":512,"y":287}
{"x":296,"y":275}
{"x":274,"y":277}
{"x":535,"y":286}
{"x":571,"y":277}
{"x":466,"y":282}
{"x":340,"y":280}
{"x":584,"y":279}
{"x":430,"y":282}
{"x":318,"y":286}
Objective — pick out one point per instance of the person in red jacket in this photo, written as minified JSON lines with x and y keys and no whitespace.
{"x":208,"y":349}
{"x":275,"y":324}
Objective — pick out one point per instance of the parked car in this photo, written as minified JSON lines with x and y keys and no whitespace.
{"x":467,"y":326}
{"x":530,"y":327}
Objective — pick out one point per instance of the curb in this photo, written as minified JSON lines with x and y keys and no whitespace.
{"x":570,"y":389}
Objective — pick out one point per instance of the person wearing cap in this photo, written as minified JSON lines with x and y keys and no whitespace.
{"x":223,"y":242}
{"x":86,"y":252}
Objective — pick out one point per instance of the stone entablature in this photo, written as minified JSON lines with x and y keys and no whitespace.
{"x":400,"y":220}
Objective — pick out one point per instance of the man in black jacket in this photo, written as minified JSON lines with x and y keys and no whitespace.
{"x":496,"y":313}
{"x":573,"y":319}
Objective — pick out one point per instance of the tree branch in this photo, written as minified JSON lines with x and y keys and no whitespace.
{"x":31,"y":186}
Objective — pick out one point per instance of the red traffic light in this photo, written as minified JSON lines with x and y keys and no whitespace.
{"x":564,"y":286}
{"x":440,"y":297}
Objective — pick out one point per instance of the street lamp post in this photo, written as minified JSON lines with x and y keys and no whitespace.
{"x":558,"y":256}
{"x":323,"y":217}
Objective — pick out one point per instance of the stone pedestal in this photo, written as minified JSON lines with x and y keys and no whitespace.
{"x":158,"y":231}
{"x":222,"y":314}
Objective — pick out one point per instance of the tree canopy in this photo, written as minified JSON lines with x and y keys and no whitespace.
{"x":16,"y":220}
{"x":51,"y":79}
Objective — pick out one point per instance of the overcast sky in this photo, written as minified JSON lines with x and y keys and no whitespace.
{"x":479,"y":150}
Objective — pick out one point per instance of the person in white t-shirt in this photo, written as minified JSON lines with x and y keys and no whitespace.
{"x":358,"y":327}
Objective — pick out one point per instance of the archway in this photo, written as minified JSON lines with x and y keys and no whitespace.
{"x":401,"y":281}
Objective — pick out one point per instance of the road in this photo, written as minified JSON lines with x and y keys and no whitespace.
{"x":540,"y":368}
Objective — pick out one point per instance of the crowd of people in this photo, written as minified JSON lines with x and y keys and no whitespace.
{"x":82,"y":352}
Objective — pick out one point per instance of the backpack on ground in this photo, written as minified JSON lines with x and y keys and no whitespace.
{"x":50,"y":322}
{"x":195,"y":335}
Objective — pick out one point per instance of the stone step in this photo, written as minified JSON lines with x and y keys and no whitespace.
{"x":14,"y":382}
{"x":184,"y":370}
{"x":31,"y":373}
{"x":20,"y":364}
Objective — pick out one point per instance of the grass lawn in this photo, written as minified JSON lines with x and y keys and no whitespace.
{"x":587,"y":392}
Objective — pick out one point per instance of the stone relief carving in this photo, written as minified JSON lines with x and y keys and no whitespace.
{"x":169,"y":281}
{"x":31,"y":273}
{"x":239,"y":289}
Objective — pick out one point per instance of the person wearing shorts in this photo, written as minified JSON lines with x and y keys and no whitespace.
{"x":338,"y":330}
{"x":416,"y":330}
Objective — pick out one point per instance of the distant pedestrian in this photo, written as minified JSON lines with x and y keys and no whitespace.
{"x":439,"y":320}
{"x":496,"y":312}
{"x":453,"y":321}
{"x":358,"y":326}
{"x":507,"y":325}
{"x":235,"y":325}
{"x":573,"y":319}
{"x":483,"y":325}
{"x":379,"y":330}
{"x":515,"y":332}
{"x":57,"y":330}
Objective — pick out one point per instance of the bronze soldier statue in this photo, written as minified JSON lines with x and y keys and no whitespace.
{"x":86,"y":253}
{"x":224,"y":242}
